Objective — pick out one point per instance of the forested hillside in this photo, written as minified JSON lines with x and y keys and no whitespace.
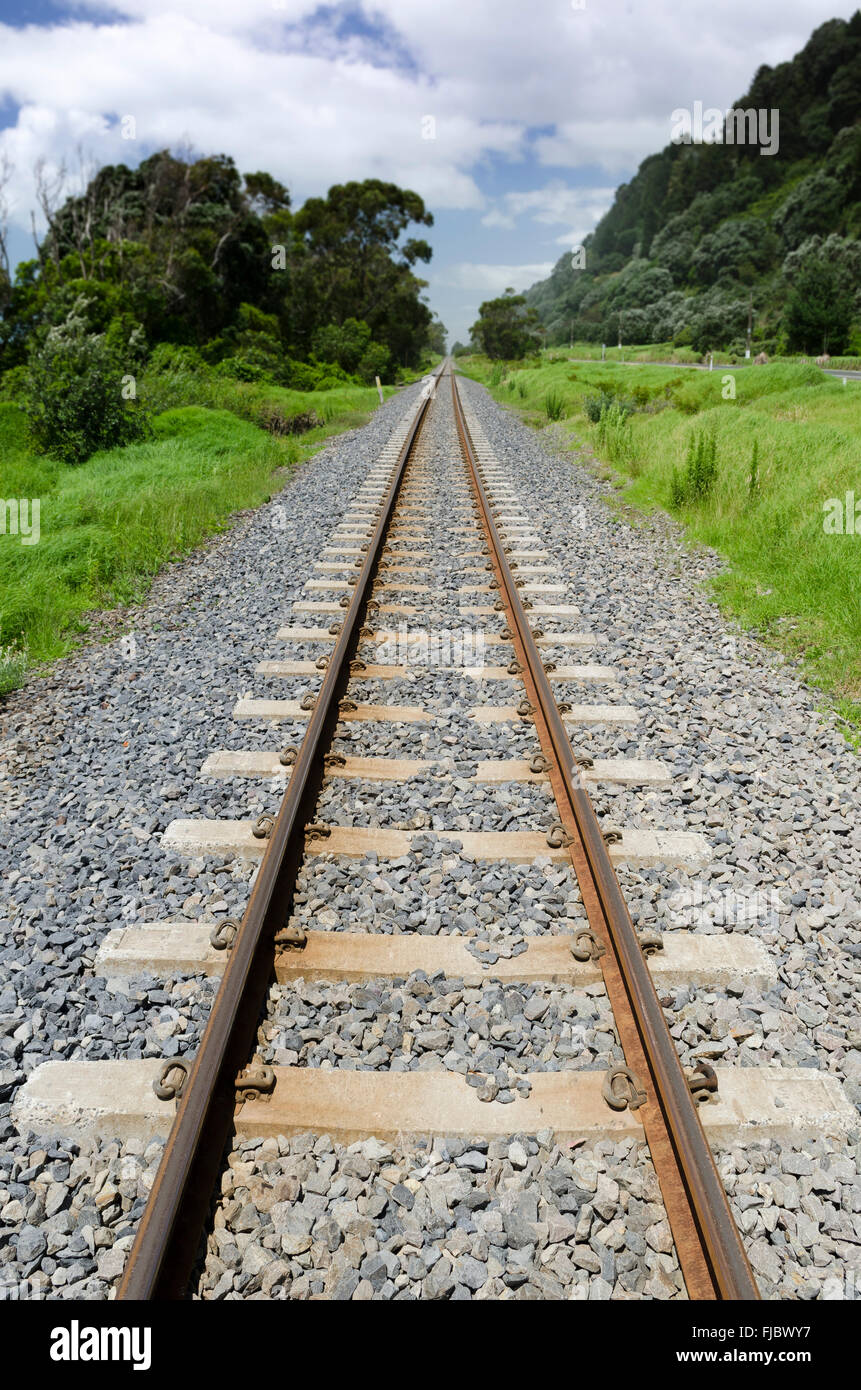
{"x":705,"y":232}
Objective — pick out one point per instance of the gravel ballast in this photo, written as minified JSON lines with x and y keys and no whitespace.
{"x":108,"y":750}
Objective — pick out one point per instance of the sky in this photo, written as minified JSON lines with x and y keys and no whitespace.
{"x":515,"y":120}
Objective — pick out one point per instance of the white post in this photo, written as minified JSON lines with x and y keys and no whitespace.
{"x":379,"y":388}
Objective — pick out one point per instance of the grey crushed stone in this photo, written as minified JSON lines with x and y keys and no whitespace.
{"x":767,"y":778}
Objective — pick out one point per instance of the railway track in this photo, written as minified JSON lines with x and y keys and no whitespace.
{"x":378,"y":617}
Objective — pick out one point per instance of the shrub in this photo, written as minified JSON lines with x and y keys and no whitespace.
{"x":73,"y":394}
{"x":216,"y":348}
{"x":273,"y":418}
{"x":677,"y":489}
{"x":554,"y":405}
{"x":697,"y":482}
{"x":240,"y":369}
{"x":595,"y":405}
{"x":374,"y":363}
{"x":497,"y":372}
{"x":13,"y":383}
{"x":686,"y":400}
{"x":753,"y":479}
{"x":175,"y":357}
{"x":13,"y":668}
{"x":615,"y":434}
{"x":521,"y":390}
{"x":312,"y":376}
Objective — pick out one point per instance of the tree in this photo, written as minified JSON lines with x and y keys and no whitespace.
{"x":265,"y":194}
{"x":179,"y":236}
{"x":350,"y":345}
{"x":506,"y":328}
{"x":5,"y":275}
{"x":350,"y":261}
{"x":819,"y":311}
{"x":436,"y":337}
{"x":740,"y":247}
{"x":343,"y":343}
{"x":74,"y":393}
{"x":813,"y":206}
{"x":194,"y":253}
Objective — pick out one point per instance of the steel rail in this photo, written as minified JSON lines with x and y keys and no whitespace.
{"x":169,"y":1234}
{"x":711,"y":1254}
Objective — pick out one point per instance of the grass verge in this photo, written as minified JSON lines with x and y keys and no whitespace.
{"x":108,"y":526}
{"x":747,"y":462}
{"x":667,"y":354}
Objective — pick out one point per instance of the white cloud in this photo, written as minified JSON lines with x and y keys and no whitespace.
{"x":497,"y":218}
{"x":311,"y":121}
{"x":493,"y":279}
{"x":457,"y":290}
{"x":557,"y":203}
{"x":304,"y":90}
{"x":481,"y":280}
{"x":623,"y":142}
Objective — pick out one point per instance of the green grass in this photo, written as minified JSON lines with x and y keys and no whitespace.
{"x":797,"y":586}
{"x":110,"y":524}
{"x":681,"y":356}
{"x":649,"y":352}
{"x":253,"y":400}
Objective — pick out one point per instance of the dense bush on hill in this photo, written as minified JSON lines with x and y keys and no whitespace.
{"x":706,"y":234}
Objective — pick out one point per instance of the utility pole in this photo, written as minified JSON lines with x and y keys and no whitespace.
{"x":571,"y":342}
{"x":749,"y":323}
